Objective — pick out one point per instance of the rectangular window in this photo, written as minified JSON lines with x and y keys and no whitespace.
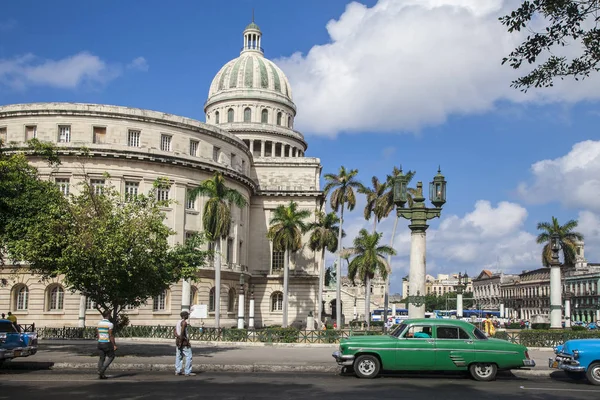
{"x":277,"y":261}
{"x":131,"y":190}
{"x":160,"y":302}
{"x":243,"y":166}
{"x":194,"y":144}
{"x":229,"y":250}
{"x":233,"y":161}
{"x":190,"y":203}
{"x":133,"y":138}
{"x":99,"y":135}
{"x":189,"y":234}
{"x":63,"y":185}
{"x":3,"y":135}
{"x":216,"y":151}
{"x":165,"y":142}
{"x":162,"y":194}
{"x":64,"y":133}
{"x":90,"y":304}
{"x":30,"y":132}
{"x":97,"y":186}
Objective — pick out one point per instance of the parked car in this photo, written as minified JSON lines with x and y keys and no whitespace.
{"x":14,"y":343}
{"x":432,"y":345}
{"x":579,"y":358}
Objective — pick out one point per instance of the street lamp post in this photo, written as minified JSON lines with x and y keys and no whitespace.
{"x":460,"y":288}
{"x":568,"y":296}
{"x":251,"y":308}
{"x":418,"y":300}
{"x":241,"y":305}
{"x":418,"y":215}
{"x":555,"y":284}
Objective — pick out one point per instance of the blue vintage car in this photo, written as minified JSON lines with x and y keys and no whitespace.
{"x":579,"y":358}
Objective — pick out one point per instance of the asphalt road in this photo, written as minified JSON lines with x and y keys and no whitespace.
{"x":24,"y":385}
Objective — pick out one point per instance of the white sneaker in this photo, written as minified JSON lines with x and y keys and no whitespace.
{"x":178,"y":373}
{"x":190,"y":374}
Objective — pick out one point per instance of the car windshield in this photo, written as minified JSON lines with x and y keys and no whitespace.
{"x":398,"y":330}
{"x":7,"y":327}
{"x":479,"y":335}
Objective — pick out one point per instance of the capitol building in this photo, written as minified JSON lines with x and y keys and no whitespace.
{"x":248,"y":137}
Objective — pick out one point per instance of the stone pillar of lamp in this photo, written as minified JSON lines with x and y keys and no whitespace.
{"x":82,"y":309}
{"x":459,"y":293}
{"x":186,"y":289}
{"x":251,"y":309}
{"x":555,"y":285}
{"x":241,"y":306}
{"x":567,"y":310}
{"x":501,"y":310}
{"x":418,"y":215}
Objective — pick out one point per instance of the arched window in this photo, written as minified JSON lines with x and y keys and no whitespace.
{"x":279,"y":118}
{"x":216,"y":117}
{"x":211,"y":300}
{"x":56,"y":298}
{"x":289,"y":122}
{"x":159,"y":302}
{"x":277,"y":301}
{"x":264,"y":116}
{"x":231,"y":300}
{"x":193,"y":295}
{"x":247,"y":114}
{"x":230,"y":115}
{"x":21,"y":297}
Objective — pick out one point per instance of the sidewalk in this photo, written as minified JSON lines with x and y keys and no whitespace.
{"x":157,"y":355}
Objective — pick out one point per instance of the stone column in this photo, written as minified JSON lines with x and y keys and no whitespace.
{"x":567,"y":313}
{"x":394,"y":311}
{"x":262,"y":148}
{"x":416,"y":274}
{"x":82,"y":309}
{"x":252,"y":147}
{"x":459,"y":305}
{"x":251,"y":311}
{"x":241,"y":306}
{"x":501,"y":310}
{"x":555,"y":297}
{"x":186,"y":289}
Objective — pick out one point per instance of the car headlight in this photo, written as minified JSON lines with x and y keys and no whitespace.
{"x":576,"y":354}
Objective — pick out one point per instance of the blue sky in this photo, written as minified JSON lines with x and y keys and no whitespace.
{"x":377,"y":84}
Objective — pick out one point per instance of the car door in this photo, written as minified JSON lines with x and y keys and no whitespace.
{"x":455,"y":348}
{"x":415,"y":349}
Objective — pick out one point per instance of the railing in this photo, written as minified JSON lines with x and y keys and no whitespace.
{"x":545,"y":338}
{"x":266,"y":335}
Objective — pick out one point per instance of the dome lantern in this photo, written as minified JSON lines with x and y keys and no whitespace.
{"x":252,"y":38}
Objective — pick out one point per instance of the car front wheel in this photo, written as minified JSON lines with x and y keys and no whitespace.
{"x":483,"y":371}
{"x":593,"y":373}
{"x":366,"y":366}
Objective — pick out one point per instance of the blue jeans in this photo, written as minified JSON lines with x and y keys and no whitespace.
{"x":180,"y":353}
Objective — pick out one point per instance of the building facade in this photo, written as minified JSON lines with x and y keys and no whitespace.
{"x":440,"y":285}
{"x":248,"y":137}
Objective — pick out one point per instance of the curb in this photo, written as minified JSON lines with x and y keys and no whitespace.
{"x":248,"y":368}
{"x":210,"y":343}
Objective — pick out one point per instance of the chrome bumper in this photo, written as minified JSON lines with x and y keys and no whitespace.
{"x":341,"y":359}
{"x":565,"y":363}
{"x":17,"y":352}
{"x":529,"y":363}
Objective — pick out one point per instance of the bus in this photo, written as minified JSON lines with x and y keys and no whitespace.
{"x":444,"y":314}
{"x":401,"y":314}
{"x":480,"y":313}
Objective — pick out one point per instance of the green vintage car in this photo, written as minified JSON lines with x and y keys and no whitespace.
{"x":432,"y":345}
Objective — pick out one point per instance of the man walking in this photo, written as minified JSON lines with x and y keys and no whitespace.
{"x":184,"y":349}
{"x":106,"y":344}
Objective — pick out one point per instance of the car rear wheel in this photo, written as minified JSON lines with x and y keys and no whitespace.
{"x":593,"y":373}
{"x":483,"y":371}
{"x":366,"y":366}
{"x":574,"y":375}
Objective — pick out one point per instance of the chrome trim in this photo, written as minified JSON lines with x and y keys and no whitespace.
{"x":343,"y":359}
{"x":566,"y":364}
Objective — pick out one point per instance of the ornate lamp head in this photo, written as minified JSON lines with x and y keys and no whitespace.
{"x":437,"y":190}
{"x":400,"y":189}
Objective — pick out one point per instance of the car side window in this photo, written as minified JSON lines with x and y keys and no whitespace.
{"x":462,"y":334}
{"x":446,"y":332}
{"x":418,"y":332}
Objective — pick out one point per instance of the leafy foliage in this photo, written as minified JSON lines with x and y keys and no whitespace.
{"x":568,"y":22}
{"x":115,"y":251}
{"x":368,"y":256}
{"x":287,"y":226}
{"x":567,"y":236}
{"x":340,"y":189}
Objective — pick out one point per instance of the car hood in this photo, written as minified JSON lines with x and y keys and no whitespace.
{"x":580,"y":345}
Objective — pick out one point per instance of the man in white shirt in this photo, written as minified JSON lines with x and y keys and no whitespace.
{"x":106,"y":344}
{"x":184,"y":349}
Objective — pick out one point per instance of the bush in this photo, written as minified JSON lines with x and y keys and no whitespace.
{"x":578,"y":328}
{"x":514,"y":325}
{"x":543,"y":338}
{"x":540,"y":326}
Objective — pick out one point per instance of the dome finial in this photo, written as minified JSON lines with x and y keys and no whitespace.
{"x":252,"y":14}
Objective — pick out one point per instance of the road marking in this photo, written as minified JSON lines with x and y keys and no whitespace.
{"x":564,"y":390}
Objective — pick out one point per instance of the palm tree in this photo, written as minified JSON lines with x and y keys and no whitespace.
{"x":369,"y":260}
{"x":568,"y":240}
{"x":287,"y":227}
{"x":376,"y":201}
{"x":342,"y":188}
{"x":324,"y":233}
{"x":216,"y":219}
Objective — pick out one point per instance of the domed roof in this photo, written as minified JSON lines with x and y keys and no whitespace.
{"x":252,"y":25}
{"x":251,"y":71}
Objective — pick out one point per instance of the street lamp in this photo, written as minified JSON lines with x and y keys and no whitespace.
{"x":241,"y":307}
{"x":251,"y":308}
{"x":460,"y":288}
{"x":418,"y":300}
{"x":418,"y":215}
{"x":555,"y":284}
{"x":568,"y":297}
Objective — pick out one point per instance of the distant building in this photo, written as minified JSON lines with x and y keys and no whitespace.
{"x":440,"y":285}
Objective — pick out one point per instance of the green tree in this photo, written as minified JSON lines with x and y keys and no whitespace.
{"x":568,"y":240}
{"x":572,"y":23}
{"x":376,"y":206}
{"x":114,"y":251}
{"x":368,"y":260}
{"x":216,"y":219}
{"x":341,"y":188}
{"x":324,"y":236}
{"x":286,"y":228}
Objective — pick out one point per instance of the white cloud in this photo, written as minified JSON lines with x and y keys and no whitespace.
{"x":589,"y":226}
{"x":573,"y":179}
{"x":67,"y":73}
{"x":139,"y":64}
{"x":402,"y":65}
